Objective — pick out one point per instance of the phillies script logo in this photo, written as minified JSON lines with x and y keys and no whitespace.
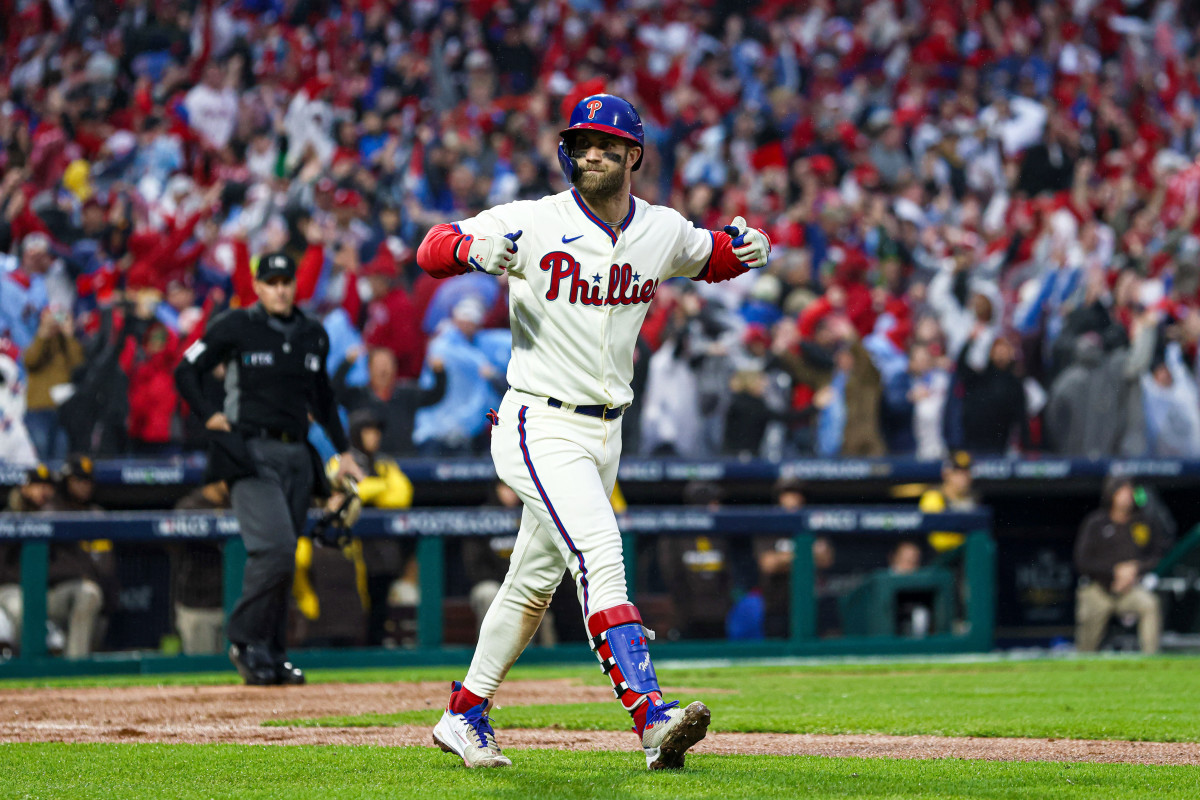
{"x":623,"y":287}
{"x":593,"y":107}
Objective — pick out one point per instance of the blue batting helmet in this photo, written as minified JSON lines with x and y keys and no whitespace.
{"x":606,"y":113}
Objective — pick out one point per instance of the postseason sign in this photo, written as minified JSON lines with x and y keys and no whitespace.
{"x":189,"y":471}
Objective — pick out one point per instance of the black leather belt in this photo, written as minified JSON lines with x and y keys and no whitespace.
{"x":286,"y":437}
{"x":598,"y":410}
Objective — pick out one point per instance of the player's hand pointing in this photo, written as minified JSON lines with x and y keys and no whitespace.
{"x":750,"y":245}
{"x":490,"y":254}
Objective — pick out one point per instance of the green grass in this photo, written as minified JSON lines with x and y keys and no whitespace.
{"x":1138,"y":699}
{"x":1128,"y":698}
{"x":239,"y":771}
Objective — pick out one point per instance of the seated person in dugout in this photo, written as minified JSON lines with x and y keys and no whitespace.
{"x":914,"y":611}
{"x":774,"y":556}
{"x":697,"y":570}
{"x":904,"y":558}
{"x":75,"y":578}
{"x":76,"y":491}
{"x":196,"y":578}
{"x":1116,"y":547}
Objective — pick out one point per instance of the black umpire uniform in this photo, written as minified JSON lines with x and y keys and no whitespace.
{"x":274,"y":379}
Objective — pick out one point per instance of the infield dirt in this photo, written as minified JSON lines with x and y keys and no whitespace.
{"x":234,"y":714}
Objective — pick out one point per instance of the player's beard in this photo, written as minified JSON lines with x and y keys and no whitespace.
{"x":600,"y":186}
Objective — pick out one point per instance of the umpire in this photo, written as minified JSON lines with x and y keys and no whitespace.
{"x":275,"y":381}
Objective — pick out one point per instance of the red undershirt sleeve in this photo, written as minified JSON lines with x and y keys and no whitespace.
{"x":436,"y":255}
{"x":722,"y":264}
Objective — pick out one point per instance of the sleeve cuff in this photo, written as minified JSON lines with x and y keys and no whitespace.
{"x":462,"y":249}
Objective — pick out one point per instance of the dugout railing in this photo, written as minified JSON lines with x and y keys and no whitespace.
{"x":1044,"y":470}
{"x":431,"y":528}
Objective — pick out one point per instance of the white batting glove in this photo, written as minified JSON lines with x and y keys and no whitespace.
{"x":750,"y":245}
{"x":490,"y":254}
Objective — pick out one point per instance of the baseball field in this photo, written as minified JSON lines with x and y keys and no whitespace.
{"x":1115,"y":727}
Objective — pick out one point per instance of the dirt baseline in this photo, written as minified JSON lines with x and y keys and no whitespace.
{"x":234,"y":714}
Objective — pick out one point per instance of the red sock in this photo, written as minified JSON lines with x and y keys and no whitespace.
{"x":463,"y":700}
{"x":639,"y":713}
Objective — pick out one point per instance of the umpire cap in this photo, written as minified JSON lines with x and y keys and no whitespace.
{"x":276,"y":265}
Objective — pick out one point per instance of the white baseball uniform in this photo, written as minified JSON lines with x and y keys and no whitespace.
{"x":579,"y":291}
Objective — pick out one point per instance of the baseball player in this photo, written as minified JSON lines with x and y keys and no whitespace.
{"x":588,"y":264}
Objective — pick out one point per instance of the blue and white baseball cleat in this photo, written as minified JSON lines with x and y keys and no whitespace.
{"x":470,"y":736}
{"x":670,"y":731}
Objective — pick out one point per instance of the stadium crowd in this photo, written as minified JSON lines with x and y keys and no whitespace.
{"x":984,"y":213}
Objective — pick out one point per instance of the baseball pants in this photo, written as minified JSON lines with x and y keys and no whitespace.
{"x":1094,"y":607}
{"x":563,"y":466}
{"x":199,"y":629}
{"x":271,"y":509}
{"x":74,"y":604}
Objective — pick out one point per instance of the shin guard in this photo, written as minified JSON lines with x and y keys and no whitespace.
{"x":619,"y":640}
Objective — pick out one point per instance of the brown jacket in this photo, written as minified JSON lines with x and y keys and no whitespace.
{"x":864,"y":393}
{"x":1103,"y":543}
{"x":49,"y":361}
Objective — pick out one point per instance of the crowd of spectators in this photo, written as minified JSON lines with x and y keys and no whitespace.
{"x":984,"y":213}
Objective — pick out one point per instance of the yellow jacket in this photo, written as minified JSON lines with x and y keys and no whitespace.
{"x":933,"y":502}
{"x":389,"y":487}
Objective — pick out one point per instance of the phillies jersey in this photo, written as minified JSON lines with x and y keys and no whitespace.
{"x":579,"y":290}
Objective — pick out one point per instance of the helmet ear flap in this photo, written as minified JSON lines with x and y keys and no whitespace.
{"x":569,"y":166}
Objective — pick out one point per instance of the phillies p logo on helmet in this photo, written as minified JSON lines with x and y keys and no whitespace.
{"x":593,"y":107}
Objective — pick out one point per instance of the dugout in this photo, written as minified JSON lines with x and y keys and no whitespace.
{"x":433,"y":527}
{"x":1036,"y":506}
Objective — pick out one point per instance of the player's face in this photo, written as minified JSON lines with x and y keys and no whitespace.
{"x":958,"y":481}
{"x":1122,"y":500}
{"x":80,"y":489}
{"x":604,"y":160}
{"x":278,"y":295}
{"x":371,"y":439}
